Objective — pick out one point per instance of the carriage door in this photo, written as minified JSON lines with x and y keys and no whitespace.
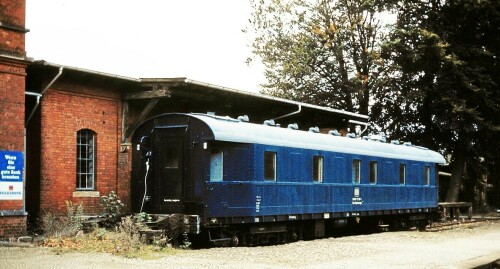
{"x":169,"y":171}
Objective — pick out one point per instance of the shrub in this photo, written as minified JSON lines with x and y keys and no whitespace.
{"x":111,"y":209}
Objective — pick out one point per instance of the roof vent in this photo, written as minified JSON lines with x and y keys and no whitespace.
{"x":366,"y":137}
{"x":314,"y":129}
{"x":210,"y":113}
{"x":293,"y":126}
{"x":407,"y":144}
{"x":395,"y":142}
{"x":351,"y":135}
{"x":334,"y":132}
{"x":244,"y":118}
{"x":380,"y":137}
{"x":269,"y":123}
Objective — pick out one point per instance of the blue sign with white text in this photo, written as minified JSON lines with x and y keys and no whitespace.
{"x":11,"y":166}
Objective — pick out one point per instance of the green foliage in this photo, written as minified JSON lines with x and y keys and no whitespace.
{"x":321,"y":52}
{"x":432,"y":77}
{"x":444,"y":93}
{"x":111,"y":208}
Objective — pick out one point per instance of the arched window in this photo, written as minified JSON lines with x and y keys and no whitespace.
{"x":85,"y":160}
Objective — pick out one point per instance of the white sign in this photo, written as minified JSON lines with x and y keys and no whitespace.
{"x":11,"y":175}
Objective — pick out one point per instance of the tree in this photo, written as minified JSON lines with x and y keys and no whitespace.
{"x":434,"y":81}
{"x":321,"y":52}
{"x":447,"y":84}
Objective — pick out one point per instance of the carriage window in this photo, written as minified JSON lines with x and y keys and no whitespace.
{"x":436,"y":174}
{"x":216,"y":165}
{"x":373,"y":172}
{"x":269,"y":165}
{"x":356,"y":171}
{"x":427,"y":175}
{"x":402,"y":174}
{"x":318,"y":168}
{"x":172,"y":159}
{"x":85,"y":159}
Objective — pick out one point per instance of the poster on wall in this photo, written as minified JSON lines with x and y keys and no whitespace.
{"x":11,"y":175}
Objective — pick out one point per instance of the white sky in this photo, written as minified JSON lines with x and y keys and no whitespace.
{"x":197,"y":39}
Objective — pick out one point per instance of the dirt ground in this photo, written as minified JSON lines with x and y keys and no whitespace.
{"x":464,"y":247}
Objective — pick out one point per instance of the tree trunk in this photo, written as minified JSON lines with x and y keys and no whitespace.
{"x":457,"y":170}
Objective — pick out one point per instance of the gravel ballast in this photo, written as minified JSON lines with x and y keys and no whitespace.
{"x":465,"y":246}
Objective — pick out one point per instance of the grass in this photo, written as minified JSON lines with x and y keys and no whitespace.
{"x":103,"y":241}
{"x":122,"y":236}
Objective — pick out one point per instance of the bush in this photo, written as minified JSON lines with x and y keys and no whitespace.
{"x":111,"y":209}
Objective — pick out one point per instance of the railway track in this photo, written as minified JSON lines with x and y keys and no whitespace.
{"x":462,"y":222}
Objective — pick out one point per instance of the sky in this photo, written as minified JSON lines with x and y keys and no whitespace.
{"x":198,"y":39}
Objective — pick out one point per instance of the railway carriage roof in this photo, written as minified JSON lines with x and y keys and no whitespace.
{"x":232,"y":130}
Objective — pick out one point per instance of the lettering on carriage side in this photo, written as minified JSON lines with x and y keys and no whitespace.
{"x":356,"y":199}
{"x":258,"y":199}
{"x":171,"y":200}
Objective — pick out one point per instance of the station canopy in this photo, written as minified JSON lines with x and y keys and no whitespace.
{"x":144,"y":98}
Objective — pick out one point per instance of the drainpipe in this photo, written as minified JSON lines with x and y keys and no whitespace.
{"x":365,"y":124}
{"x":38,"y":98}
{"x":290,"y":114}
{"x":53,"y":80}
{"x":40,"y":95}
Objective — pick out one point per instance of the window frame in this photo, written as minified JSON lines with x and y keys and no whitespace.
{"x":318,"y":168}
{"x":85,"y":160}
{"x":402,"y":176}
{"x":274,"y":167}
{"x":427,"y":175}
{"x":216,"y":157}
{"x":373,"y":172}
{"x":436,"y":175}
{"x":356,"y":171}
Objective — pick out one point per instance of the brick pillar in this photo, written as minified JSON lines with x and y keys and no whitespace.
{"x":12,"y":87}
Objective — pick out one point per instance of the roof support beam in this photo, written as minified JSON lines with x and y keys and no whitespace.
{"x":157,"y":92}
{"x":127,"y":126}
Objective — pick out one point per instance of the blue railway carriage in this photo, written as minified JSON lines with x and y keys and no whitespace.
{"x":250,"y":183}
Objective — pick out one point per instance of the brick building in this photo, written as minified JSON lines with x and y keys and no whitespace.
{"x":13,"y":64}
{"x":75,"y":122}
{"x":79,"y":123}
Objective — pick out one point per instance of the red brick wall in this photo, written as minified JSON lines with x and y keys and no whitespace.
{"x":12,"y":226}
{"x":67,"y":108}
{"x":12,"y":87}
{"x":124,"y":173}
{"x":12,"y":14}
{"x":12,"y":78}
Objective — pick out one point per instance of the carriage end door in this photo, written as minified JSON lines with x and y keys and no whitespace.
{"x":170,"y":172}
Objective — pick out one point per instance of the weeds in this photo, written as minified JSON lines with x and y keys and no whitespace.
{"x":63,"y":226}
{"x":120,"y":235}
